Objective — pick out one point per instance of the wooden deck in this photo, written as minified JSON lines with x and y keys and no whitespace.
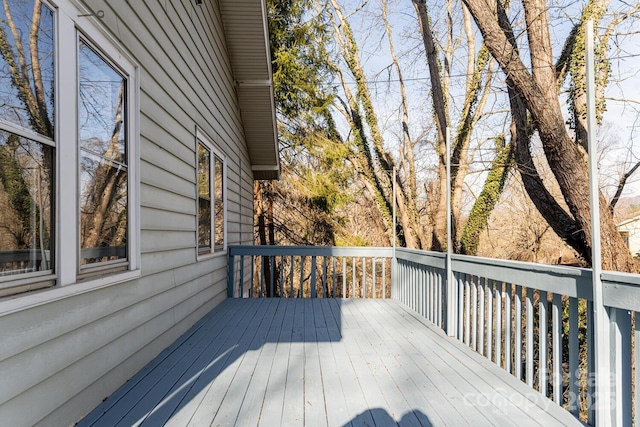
{"x":322,"y":362}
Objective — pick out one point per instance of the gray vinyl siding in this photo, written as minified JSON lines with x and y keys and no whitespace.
{"x":62,"y":357}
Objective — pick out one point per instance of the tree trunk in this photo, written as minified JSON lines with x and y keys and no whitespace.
{"x":407,"y":145}
{"x":379,"y":164}
{"x":486,"y":201}
{"x":439,"y":238}
{"x":262,"y":234}
{"x":539,"y":93}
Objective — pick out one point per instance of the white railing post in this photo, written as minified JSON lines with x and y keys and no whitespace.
{"x":451,"y":287}
{"x":394,"y":259}
{"x":600,"y":315}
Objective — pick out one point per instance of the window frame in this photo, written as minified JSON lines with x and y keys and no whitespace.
{"x":214,"y":250}
{"x":86,"y":270}
{"x":21,"y":282}
{"x":73,"y":22}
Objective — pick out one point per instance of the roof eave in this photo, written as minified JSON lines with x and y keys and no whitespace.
{"x":247,"y":36}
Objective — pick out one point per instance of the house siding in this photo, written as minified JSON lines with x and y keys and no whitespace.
{"x":66,"y":351}
{"x":632,"y":227}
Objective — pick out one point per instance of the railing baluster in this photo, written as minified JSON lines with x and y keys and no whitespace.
{"x":467,"y":314}
{"x":489,"y":292}
{"x":313,"y":277}
{"x":439,"y":308}
{"x":403,"y":279}
{"x":261,"y":277}
{"x":574,"y":362}
{"x":434,"y":308}
{"x":460,"y":306}
{"x":507,"y":326}
{"x":621,"y":365}
{"x":636,"y":359}
{"x":414,"y":287}
{"x":325,"y":289}
{"x":529,"y":337}
{"x":241,"y":276}
{"x":272,"y":272}
{"x":414,"y":283}
{"x":498,"y":334}
{"x":428,"y":284}
{"x":590,"y":365}
{"x":252,"y":278}
{"x":517,"y":357}
{"x":333,"y":289}
{"x":301,"y":290}
{"x":403,"y":282}
{"x":481,"y":323}
{"x":344,"y":277}
{"x":384,"y":278}
{"x":353,"y":277}
{"x":421,"y":292}
{"x":364,"y":278}
{"x":282,"y":276}
{"x":474,"y":319}
{"x":556,"y":337}
{"x":406,"y":277}
{"x":428,"y":294}
{"x":408,"y":284}
{"x":291,"y":294}
{"x":230,"y":284}
{"x":434,"y":296}
{"x":373,"y":277}
{"x":426,"y":298}
{"x":543,"y":362}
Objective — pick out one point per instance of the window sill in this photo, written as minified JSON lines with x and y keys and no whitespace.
{"x":209,"y":255}
{"x":20,"y":302}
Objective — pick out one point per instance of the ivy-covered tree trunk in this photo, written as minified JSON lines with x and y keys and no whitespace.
{"x":379,"y":163}
{"x":475,"y":98}
{"x":20,"y":200}
{"x":487,"y":199}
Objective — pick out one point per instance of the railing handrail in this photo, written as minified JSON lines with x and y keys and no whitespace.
{"x":570,"y":281}
{"x":339,"y":251}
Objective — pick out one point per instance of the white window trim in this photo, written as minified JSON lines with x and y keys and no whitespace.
{"x":201,"y":137}
{"x":71,"y":21}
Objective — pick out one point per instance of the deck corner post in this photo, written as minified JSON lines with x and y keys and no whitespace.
{"x":602,"y":342}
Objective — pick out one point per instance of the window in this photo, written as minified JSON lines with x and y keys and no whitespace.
{"x":211,"y":203}
{"x":68,"y":181}
{"x":27,"y":140}
{"x":625,"y":237}
{"x":103,"y":159}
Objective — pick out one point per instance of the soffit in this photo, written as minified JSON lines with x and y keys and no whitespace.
{"x":246,"y":33}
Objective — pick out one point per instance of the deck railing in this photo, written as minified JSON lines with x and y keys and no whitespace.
{"x":309,"y":271}
{"x":535,"y":321}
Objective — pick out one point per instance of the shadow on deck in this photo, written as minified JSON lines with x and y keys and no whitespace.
{"x":327,"y":362}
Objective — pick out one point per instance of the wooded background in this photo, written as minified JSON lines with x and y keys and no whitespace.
{"x":365,"y":88}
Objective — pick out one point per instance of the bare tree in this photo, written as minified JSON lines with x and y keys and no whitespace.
{"x":370,"y":156}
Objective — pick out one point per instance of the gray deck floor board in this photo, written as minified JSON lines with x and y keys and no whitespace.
{"x":322,"y":362}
